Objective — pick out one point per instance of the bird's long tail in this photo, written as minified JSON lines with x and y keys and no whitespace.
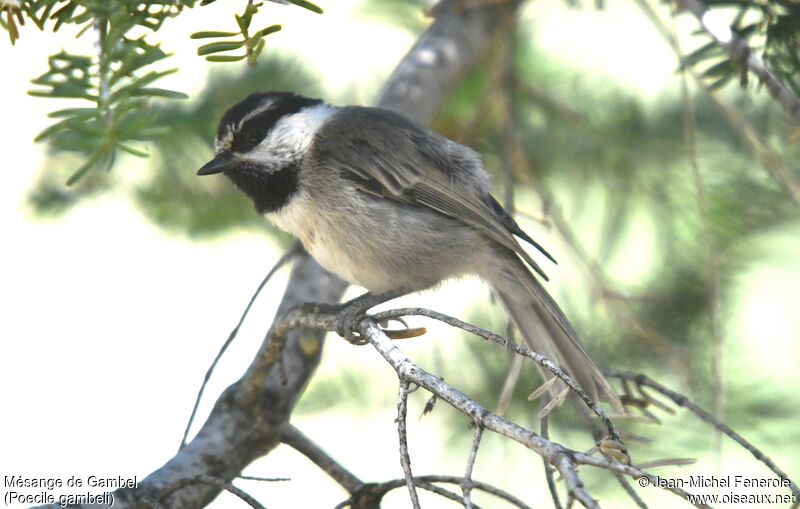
{"x":545,"y":328}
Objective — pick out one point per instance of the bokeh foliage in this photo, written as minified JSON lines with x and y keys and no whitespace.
{"x":770,"y":27}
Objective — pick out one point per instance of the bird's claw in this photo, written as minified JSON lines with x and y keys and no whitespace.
{"x":350,"y":316}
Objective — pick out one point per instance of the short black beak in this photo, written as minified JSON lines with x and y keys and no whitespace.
{"x":220,"y":163}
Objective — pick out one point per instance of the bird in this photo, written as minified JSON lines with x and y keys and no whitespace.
{"x":390,"y":205}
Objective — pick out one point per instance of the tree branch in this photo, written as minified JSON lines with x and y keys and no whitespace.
{"x":423,"y":481}
{"x":563,"y":459}
{"x":521,"y":350}
{"x":467,"y":485}
{"x":405,"y":458}
{"x":295,"y":439}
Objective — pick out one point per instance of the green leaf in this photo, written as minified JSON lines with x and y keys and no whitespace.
{"x":63,"y":15}
{"x":73,"y":112}
{"x":138,"y":83}
{"x":63,"y":125}
{"x":241,"y":22}
{"x":306,"y":5}
{"x":259,"y":47}
{"x":269,"y":30}
{"x":68,"y":90}
{"x":150,"y":133}
{"x":131,"y":64}
{"x":151,"y":77}
{"x":85,"y":167}
{"x":225,"y":58}
{"x":132,"y":150}
{"x":159,"y":92}
{"x":216,"y":47}
{"x":210,"y":34}
{"x":247,"y":16}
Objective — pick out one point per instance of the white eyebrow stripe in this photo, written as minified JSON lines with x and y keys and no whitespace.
{"x":261,"y":109}
{"x":226,"y":140}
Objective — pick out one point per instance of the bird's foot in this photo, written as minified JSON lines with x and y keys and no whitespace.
{"x":352,"y":312}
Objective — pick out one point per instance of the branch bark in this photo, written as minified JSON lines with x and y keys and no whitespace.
{"x":249,"y":417}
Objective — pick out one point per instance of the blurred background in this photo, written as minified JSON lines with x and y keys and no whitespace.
{"x":677,"y":248}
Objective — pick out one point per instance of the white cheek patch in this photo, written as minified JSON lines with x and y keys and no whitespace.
{"x":292,"y":135}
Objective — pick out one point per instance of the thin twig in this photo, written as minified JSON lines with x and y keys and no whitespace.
{"x":211,"y":481}
{"x":263,"y":479}
{"x":523,"y":350}
{"x":544,"y":430}
{"x":425,"y":485}
{"x":377,"y":491}
{"x":100,"y":24}
{"x":298,"y":441}
{"x":405,"y":459}
{"x":380,"y":489}
{"x":626,"y":485}
{"x":285,"y":258}
{"x":466,"y":486}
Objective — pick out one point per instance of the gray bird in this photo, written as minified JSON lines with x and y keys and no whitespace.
{"x":388,"y":204}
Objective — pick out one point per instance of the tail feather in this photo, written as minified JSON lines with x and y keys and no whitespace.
{"x":545,"y":328}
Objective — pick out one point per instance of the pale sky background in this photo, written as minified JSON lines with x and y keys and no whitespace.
{"x":108,"y":324}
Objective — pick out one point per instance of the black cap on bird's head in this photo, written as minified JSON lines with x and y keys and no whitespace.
{"x":247,"y":123}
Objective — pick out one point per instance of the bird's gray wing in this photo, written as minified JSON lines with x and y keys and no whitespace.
{"x":387,"y":155}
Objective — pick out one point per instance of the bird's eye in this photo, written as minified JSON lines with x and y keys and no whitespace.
{"x":255,"y":136}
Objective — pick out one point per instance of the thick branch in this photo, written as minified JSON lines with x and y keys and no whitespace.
{"x":436,"y":63}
